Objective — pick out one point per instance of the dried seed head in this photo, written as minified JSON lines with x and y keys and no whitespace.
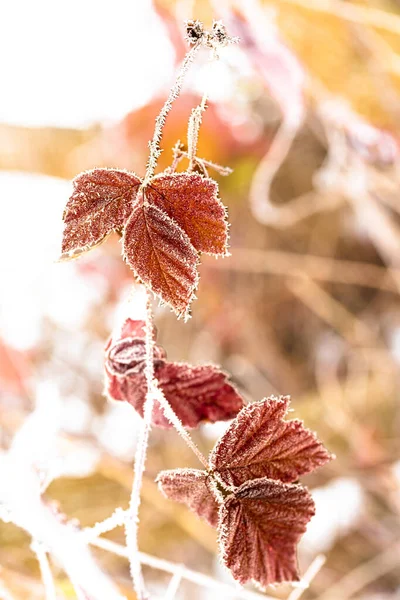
{"x":219,"y":33}
{"x":194,"y":31}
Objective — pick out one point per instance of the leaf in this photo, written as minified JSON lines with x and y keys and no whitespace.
{"x":191,"y":487}
{"x":259,"y":443}
{"x":130,"y":388}
{"x":125,"y":363}
{"x":161,"y":255}
{"x":101,"y":202}
{"x":260,"y":525}
{"x":197,"y":393}
{"x":192,"y":201}
{"x":133,"y":328}
{"x":128,"y":356}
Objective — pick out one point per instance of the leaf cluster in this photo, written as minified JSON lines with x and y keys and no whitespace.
{"x":249,"y":492}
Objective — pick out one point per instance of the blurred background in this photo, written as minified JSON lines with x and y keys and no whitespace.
{"x":305,"y":110}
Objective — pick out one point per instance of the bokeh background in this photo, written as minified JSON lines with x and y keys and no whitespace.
{"x":305,"y":110}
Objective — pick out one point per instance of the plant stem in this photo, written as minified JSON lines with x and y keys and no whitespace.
{"x":193,"y":130}
{"x":132,"y":519}
{"x":45,"y":570}
{"x":193,"y":576}
{"x":154,"y":145}
{"x":176,"y":422}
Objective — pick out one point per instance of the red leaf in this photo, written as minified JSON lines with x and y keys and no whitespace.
{"x":259,"y":443}
{"x":127,"y":357}
{"x":197,"y":394}
{"x":132,"y":328}
{"x":260,"y":525}
{"x":161,"y":255}
{"x":131,"y":388}
{"x":101,"y":202}
{"x":125,"y":363}
{"x":192,"y":201}
{"x":191,"y":487}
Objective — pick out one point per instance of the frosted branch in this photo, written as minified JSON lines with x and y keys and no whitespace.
{"x":45,"y":571}
{"x":307,"y":578}
{"x":132,"y":517}
{"x":174,"y":584}
{"x":193,"y":576}
{"x":194,"y":124}
{"x":172,"y":418}
{"x":117,"y":519}
{"x":154,"y":145}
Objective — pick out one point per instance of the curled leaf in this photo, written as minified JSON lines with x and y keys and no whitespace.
{"x":127,"y":357}
{"x":192,"y":201}
{"x":259,"y":443}
{"x":260,"y":525}
{"x":101,"y":202}
{"x":191,"y":487}
{"x":161,"y":255}
{"x":195,"y":394}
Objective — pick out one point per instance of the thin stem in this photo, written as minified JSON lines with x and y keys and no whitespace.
{"x":174,"y":419}
{"x":268,"y":167}
{"x":193,"y":130}
{"x":117,"y":519}
{"x":308,"y":576}
{"x":45,"y":571}
{"x":132,"y":519}
{"x":173,"y":585}
{"x":154,"y":145}
{"x":202,"y":162}
{"x":188,"y":574}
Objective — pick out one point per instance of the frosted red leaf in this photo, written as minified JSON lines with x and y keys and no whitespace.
{"x":125,"y":363}
{"x":101,"y":202}
{"x":130,"y":328}
{"x":192,"y":201}
{"x":191,"y":487}
{"x":127,"y":356}
{"x":260,"y":525}
{"x":259,"y":443}
{"x":195,"y":394}
{"x":131,"y":388}
{"x":161,"y":255}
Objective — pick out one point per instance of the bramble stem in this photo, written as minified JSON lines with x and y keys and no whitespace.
{"x":132,"y":520}
{"x":176,"y":422}
{"x":45,"y":571}
{"x":193,"y":130}
{"x":195,"y":577}
{"x":154,"y":145}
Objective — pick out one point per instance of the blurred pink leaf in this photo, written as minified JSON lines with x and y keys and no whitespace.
{"x":276,"y":64}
